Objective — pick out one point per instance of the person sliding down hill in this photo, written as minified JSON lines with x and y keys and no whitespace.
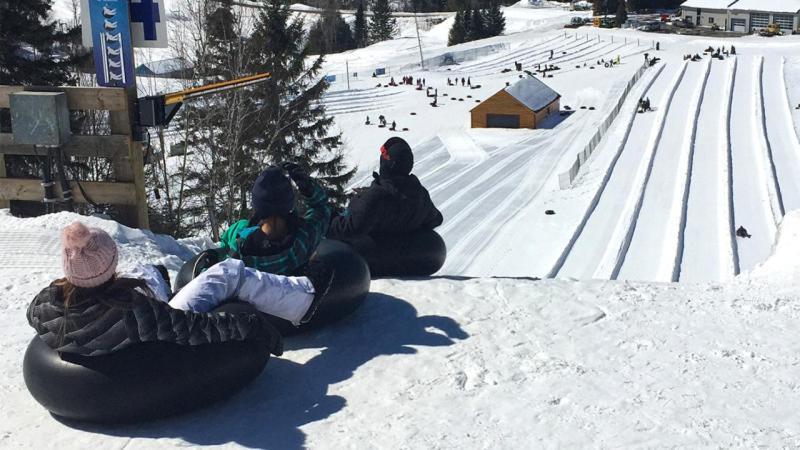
{"x":275,"y":239}
{"x":95,"y":310}
{"x":395,"y":202}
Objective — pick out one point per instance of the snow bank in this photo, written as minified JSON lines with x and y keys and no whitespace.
{"x":782,"y":268}
{"x":32,"y":250}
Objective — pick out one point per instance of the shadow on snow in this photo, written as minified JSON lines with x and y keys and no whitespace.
{"x":288,"y":395}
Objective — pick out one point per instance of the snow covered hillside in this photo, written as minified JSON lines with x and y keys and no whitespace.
{"x":452,"y":362}
{"x":606,"y":351}
{"x":662,"y":196}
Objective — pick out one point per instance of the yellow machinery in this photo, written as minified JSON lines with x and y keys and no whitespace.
{"x":158,"y":110}
{"x":772,"y":29}
{"x":604,"y":22}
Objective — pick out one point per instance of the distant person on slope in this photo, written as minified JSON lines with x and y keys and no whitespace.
{"x":395,"y":202}
{"x":275,"y":239}
{"x":95,"y":310}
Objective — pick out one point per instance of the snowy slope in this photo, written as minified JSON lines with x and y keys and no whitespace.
{"x":474,"y":363}
{"x":457,"y":362}
{"x":657,"y":229}
{"x":663,"y":212}
{"x":707,"y":252}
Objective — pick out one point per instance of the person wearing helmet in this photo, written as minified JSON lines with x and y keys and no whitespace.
{"x":395,"y":202}
{"x":275,"y":239}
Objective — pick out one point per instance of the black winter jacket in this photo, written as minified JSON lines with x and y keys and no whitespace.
{"x":389,"y":205}
{"x":96,"y":327}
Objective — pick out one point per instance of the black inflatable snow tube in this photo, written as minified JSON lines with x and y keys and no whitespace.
{"x":186,"y":274}
{"x":144,"y":381}
{"x":416,"y":254}
{"x":347,"y":292}
{"x":349,"y":288}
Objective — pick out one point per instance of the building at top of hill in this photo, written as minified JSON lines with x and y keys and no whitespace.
{"x":744,"y":16}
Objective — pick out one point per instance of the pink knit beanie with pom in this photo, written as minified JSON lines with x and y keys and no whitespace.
{"x":89,"y":256}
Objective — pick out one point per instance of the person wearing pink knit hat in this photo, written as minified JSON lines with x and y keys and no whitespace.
{"x":89,"y":256}
{"x":95,"y":310}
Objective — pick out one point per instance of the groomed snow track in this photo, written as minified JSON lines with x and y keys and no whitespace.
{"x":719,"y":152}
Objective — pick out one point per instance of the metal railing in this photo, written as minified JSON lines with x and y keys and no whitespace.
{"x":566,"y":179}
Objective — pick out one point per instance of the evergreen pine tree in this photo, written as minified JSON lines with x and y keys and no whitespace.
{"x":466,"y":20}
{"x":343,"y":35}
{"x":317,"y":44}
{"x":382,"y":26}
{"x":360,"y":34}
{"x":291,"y":124}
{"x":495,"y":20}
{"x":598,"y":7}
{"x":604,"y":7}
{"x":457,"y":33}
{"x":29,"y":42}
{"x":633,"y":5}
{"x":622,"y":13}
{"x":476,"y":29}
{"x":330,"y":34}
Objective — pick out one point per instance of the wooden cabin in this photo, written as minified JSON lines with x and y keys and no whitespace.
{"x":524,"y":104}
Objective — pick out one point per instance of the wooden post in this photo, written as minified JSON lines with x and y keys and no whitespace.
{"x":128,"y":193}
{"x":130,"y":169}
{"x":3,"y":203}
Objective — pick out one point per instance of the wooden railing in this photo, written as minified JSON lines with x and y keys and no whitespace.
{"x":127,"y":191}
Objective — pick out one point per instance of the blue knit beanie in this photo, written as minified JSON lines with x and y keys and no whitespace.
{"x":273,"y":194}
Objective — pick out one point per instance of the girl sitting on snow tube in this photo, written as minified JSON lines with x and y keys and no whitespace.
{"x":149,"y":380}
{"x":347,"y":290}
{"x":92,"y":312}
{"x":391,"y":222}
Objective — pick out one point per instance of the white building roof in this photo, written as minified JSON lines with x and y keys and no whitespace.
{"x":708,"y":4}
{"x":775,"y":6}
{"x":532,"y":93}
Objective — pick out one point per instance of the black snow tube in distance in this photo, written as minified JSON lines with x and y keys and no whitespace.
{"x":144,"y":381}
{"x":349,"y":288}
{"x":416,"y":254}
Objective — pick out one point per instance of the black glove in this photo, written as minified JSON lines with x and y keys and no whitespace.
{"x":304,"y":182}
{"x":256,"y":244}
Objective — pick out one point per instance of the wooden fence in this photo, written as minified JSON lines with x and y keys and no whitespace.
{"x":126,"y":192}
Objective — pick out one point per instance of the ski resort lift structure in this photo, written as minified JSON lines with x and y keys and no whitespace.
{"x":159,"y":110}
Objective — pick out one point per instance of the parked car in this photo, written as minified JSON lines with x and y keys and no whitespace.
{"x":654,"y":25}
{"x":575,"y":22}
{"x":683,"y":23}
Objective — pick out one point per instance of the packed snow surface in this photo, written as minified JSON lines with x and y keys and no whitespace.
{"x":468,"y":363}
{"x":662,"y":196}
{"x":482,"y":355}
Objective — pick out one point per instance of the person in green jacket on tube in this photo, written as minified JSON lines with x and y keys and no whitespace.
{"x":275,"y":239}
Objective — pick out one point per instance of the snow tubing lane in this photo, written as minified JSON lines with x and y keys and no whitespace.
{"x":347,"y":292}
{"x":416,"y":254}
{"x":142,"y":382}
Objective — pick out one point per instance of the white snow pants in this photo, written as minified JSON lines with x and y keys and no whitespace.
{"x":278,"y":295}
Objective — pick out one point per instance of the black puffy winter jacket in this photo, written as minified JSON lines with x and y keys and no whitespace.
{"x":389,"y":205}
{"x":99,"y":326}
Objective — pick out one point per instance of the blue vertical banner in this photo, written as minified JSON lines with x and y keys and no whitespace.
{"x":111,"y":38}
